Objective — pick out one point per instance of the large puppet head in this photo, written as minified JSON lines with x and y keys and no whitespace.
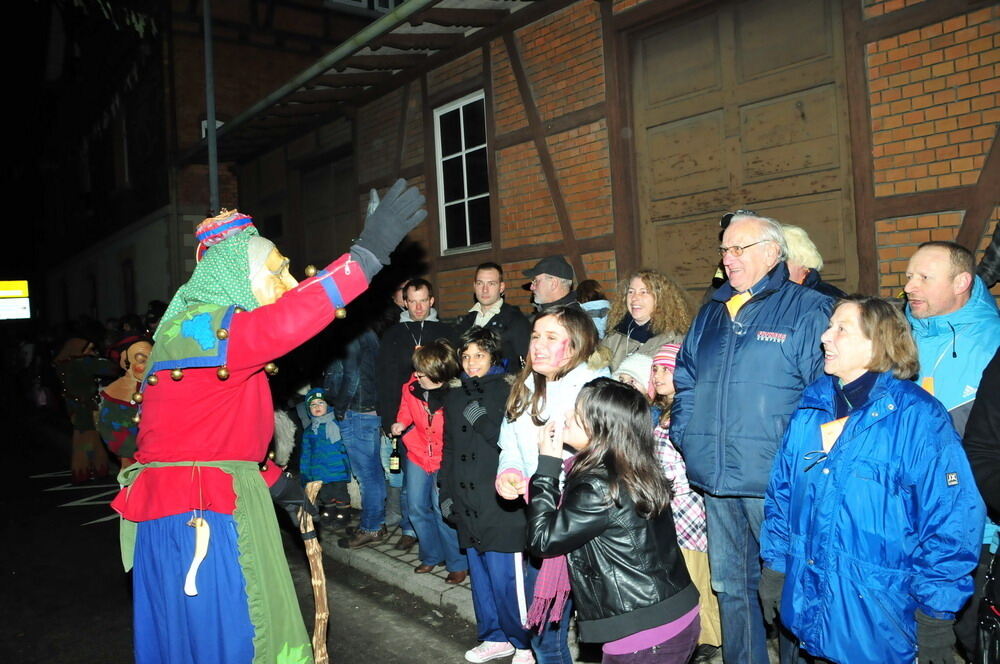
{"x":236,"y":266}
{"x":131,"y":354}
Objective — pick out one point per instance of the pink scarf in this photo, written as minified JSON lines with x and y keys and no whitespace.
{"x":552,"y":585}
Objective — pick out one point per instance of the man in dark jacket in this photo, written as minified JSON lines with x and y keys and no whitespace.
{"x":552,"y":284}
{"x":751,"y":350}
{"x":395,"y":356}
{"x":491,"y":311}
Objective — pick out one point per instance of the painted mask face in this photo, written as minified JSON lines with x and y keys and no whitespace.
{"x":549,"y":347}
{"x":136,"y":356}
{"x":274,"y":280}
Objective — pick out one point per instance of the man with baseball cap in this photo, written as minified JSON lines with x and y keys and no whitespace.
{"x":552,"y":283}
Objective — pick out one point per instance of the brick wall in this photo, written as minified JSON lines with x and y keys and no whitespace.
{"x":378,"y":134}
{"x":873,"y":8}
{"x":934,"y":96}
{"x":898,"y":238}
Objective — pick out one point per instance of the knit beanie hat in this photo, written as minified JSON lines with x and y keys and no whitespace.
{"x":314,"y":394}
{"x":667,"y":356}
{"x":638,"y":367}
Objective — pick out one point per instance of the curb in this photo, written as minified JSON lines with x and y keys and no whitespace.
{"x":383,"y":562}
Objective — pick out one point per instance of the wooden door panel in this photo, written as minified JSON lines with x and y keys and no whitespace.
{"x":742,"y":107}
{"x":790,"y":135}
{"x":778,"y":34}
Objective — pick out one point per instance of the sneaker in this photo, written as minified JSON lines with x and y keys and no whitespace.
{"x":488,"y":650}
{"x":523,"y":657}
{"x":363,"y":538}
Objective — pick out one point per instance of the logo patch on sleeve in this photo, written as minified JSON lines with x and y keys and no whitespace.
{"x":951,"y":479}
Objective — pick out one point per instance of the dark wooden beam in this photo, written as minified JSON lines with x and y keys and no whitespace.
{"x":357,"y":79}
{"x":861,"y":146}
{"x":491,"y":155}
{"x":645,"y":13}
{"x":384,"y":62}
{"x":429,"y":41}
{"x":985,"y":197}
{"x":504,"y":255}
{"x":322,"y":95}
{"x":917,"y":16}
{"x":618,"y":102}
{"x":475,"y":18}
{"x":404,"y":115}
{"x":557,"y":125}
{"x":569,"y":244}
{"x":924,"y":202}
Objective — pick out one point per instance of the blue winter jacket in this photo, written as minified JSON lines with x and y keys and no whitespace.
{"x":739,"y":381}
{"x":888,"y":522}
{"x":955,"y":348}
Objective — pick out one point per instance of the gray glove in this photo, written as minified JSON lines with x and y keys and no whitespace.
{"x":447,"y":509}
{"x":769,"y":591}
{"x":393,"y":217}
{"x":935,"y":640}
{"x":473,"y":412}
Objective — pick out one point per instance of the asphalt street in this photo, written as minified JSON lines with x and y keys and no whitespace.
{"x":66,"y":598}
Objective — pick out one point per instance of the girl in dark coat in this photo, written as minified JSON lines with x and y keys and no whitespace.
{"x":613,"y":523}
{"x":491,"y":529}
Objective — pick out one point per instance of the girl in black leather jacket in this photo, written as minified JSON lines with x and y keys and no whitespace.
{"x":614,"y":524}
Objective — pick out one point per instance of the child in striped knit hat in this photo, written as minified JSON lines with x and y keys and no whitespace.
{"x":687,"y":504}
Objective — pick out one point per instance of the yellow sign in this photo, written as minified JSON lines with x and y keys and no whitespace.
{"x":14,"y":288}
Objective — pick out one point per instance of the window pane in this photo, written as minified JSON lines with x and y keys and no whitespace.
{"x":479,"y":220}
{"x":477,"y":179}
{"x":475,"y":123}
{"x":451,"y":133}
{"x":454,"y":187}
{"x":454,"y":219}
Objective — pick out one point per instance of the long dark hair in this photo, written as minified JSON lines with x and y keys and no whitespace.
{"x":616,"y":419}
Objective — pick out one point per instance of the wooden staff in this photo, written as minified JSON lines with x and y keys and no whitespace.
{"x":315,"y":554}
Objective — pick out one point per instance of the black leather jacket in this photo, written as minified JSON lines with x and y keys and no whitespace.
{"x":626,"y":572}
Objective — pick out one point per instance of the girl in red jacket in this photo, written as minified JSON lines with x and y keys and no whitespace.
{"x":420,"y":422}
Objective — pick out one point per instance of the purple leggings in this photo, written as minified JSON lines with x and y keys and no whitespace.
{"x":676,"y":650}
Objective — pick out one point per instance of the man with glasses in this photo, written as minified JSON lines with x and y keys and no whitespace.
{"x":750,"y":351}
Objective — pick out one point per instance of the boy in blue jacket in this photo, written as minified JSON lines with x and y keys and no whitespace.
{"x":324,"y":455}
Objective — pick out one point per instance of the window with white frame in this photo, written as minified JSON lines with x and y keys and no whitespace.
{"x":462,"y":173}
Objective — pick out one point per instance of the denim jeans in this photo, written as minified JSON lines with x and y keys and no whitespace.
{"x":734,"y":558}
{"x":397,"y":481}
{"x":438,"y":540}
{"x":550,"y":646}
{"x":362,"y":438}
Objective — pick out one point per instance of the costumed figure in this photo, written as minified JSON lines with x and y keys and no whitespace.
{"x":211,"y":583}
{"x":324,"y":455}
{"x":118,"y":411}
{"x":80,"y":369}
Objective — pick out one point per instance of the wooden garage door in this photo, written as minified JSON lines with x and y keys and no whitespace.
{"x":742,"y":106}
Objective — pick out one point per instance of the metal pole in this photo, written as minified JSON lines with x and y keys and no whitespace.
{"x":213,"y":156}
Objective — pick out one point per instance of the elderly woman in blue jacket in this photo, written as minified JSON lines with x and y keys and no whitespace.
{"x":872,"y":519}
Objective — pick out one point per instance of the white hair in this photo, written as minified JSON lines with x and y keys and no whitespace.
{"x":771,"y":231}
{"x":258,"y":249}
{"x":801,"y":249}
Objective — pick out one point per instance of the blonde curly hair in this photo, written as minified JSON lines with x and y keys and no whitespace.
{"x":673,"y":311}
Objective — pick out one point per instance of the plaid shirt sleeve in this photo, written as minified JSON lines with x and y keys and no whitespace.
{"x":687,"y":504}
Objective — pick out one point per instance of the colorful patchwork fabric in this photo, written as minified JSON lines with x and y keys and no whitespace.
{"x":191,"y":339}
{"x":116,"y":425}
